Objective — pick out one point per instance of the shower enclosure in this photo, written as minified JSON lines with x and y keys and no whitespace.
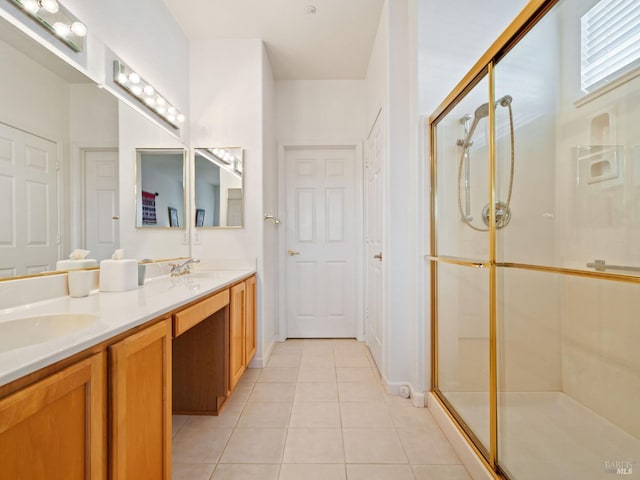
{"x":535,"y":245}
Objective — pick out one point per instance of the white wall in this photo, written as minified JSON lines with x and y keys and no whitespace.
{"x":227,"y":98}
{"x":319,"y":110}
{"x":145,"y":35}
{"x":268,"y":327}
{"x":33,"y":98}
{"x":390,"y":87}
{"x":401,"y":235}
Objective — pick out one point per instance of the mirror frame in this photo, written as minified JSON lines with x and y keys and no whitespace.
{"x":238,"y":169}
{"x":138,"y":187}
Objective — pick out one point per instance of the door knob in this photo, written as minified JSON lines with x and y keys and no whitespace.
{"x":378,"y":256}
{"x":291,"y":253}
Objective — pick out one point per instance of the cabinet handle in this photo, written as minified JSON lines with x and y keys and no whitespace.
{"x":378,"y":256}
{"x":291,"y":253}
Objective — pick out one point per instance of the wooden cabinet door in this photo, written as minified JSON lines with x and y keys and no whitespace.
{"x":140,"y":405}
{"x":250,"y":340}
{"x":55,"y":428}
{"x":238,"y":307}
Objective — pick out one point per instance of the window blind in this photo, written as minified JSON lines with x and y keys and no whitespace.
{"x":610,"y":43}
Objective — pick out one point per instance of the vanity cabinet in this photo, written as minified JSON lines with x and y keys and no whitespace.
{"x":237,"y":361}
{"x":242,"y":329}
{"x":140,"y":404}
{"x":55,"y":428}
{"x":250,"y":337}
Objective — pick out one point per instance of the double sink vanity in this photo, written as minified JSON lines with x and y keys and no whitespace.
{"x":88,"y":390}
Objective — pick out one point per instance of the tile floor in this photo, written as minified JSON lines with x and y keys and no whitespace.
{"x":316,"y":412}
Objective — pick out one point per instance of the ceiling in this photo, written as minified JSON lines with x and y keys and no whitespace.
{"x":332,"y":44}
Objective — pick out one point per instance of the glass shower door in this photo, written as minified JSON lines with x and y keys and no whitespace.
{"x":461,"y":247}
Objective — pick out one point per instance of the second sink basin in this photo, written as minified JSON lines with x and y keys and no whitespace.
{"x":27,"y":331}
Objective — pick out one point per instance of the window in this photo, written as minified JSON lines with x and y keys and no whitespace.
{"x":610,"y":43}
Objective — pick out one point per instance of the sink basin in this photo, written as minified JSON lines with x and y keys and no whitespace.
{"x":38,"y":329}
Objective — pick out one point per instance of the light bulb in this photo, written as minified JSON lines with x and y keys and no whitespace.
{"x":181,"y":118}
{"x":30,"y":6}
{"x":172,"y":110}
{"x":148,"y":90}
{"x":136,"y":90}
{"x":161,"y":110}
{"x":134,"y":77}
{"x":79,"y":29}
{"x":150,"y":101}
{"x":161,"y":101}
{"x":61,"y":29}
{"x":50,"y":6}
{"x":122,"y":78}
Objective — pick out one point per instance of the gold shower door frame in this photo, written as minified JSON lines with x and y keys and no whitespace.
{"x":525,"y":21}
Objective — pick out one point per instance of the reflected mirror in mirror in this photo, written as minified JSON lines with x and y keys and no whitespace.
{"x":160,"y":187}
{"x":219,"y":194}
{"x":58,"y":144}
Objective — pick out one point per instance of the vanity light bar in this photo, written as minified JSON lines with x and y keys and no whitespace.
{"x":228,"y":162}
{"x":234,"y":163}
{"x":224,"y":156}
{"x":57,"y":20}
{"x":146,"y":94}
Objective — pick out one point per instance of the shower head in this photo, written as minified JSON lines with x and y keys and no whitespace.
{"x":481,"y":112}
{"x":504,"y":101}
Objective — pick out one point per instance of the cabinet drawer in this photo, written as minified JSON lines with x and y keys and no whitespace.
{"x":189,"y":317}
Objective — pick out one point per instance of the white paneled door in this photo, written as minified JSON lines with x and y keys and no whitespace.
{"x":375,"y":151}
{"x":321,"y":241}
{"x":29,"y":203}
{"x":102,"y":221}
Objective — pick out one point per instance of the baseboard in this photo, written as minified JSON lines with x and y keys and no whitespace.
{"x":263,"y":360}
{"x":393,"y":388}
{"x":418,"y":398}
{"x":472,"y":462}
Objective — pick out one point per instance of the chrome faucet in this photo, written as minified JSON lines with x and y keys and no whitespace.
{"x":183,"y":268}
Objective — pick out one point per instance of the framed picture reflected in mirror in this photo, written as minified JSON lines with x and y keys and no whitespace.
{"x":173,"y":217}
{"x":200,"y":217}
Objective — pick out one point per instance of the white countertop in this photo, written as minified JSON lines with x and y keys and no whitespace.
{"x":117,"y":312}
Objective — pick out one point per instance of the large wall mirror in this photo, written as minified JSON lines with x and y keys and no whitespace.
{"x":160,"y":187}
{"x":65,"y":148}
{"x":219,"y":196}
{"x":58,"y":160}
